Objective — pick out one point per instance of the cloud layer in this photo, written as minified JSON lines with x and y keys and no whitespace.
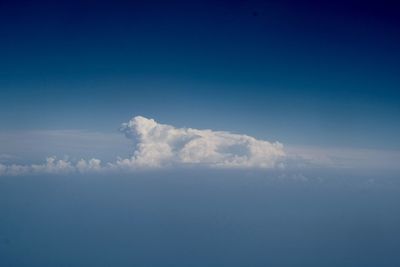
{"x":158,"y":145}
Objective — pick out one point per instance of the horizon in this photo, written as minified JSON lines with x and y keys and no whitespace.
{"x":199,"y":133}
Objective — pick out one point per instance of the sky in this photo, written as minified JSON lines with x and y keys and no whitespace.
{"x":199,"y":133}
{"x":310,"y":73}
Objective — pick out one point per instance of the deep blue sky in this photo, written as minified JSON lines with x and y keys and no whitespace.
{"x":300,"y":72}
{"x":321,"y":75}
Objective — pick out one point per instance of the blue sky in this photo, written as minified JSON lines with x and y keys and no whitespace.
{"x":315,"y":74}
{"x":199,"y":133}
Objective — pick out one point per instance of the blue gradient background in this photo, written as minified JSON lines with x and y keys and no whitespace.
{"x":305,"y":73}
{"x":200,"y":219}
{"x":308,"y":73}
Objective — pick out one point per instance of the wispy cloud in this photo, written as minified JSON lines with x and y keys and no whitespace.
{"x":33,"y":145}
{"x":342,"y":158}
{"x":4,"y":158}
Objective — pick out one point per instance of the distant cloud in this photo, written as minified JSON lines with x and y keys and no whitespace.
{"x":33,"y":145}
{"x":158,"y":145}
{"x":93,"y":165}
{"x":51,"y":166}
{"x":164,"y":145}
{"x":152,"y":145}
{"x":7,"y":157}
{"x":341,"y":158}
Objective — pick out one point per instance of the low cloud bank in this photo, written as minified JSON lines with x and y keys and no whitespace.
{"x":158,"y":145}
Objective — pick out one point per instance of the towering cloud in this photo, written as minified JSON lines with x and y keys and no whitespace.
{"x":164,"y":145}
{"x":158,"y":145}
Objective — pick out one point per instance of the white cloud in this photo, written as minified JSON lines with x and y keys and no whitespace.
{"x":51,"y":166}
{"x":158,"y":145}
{"x":3,"y":169}
{"x":16,"y":169}
{"x":155,"y":145}
{"x":54,"y":166}
{"x":93,"y":165}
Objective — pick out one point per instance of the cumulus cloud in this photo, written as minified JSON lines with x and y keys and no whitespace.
{"x":51,"y":166}
{"x":93,"y":165}
{"x":150,"y":145}
{"x":156,"y":145}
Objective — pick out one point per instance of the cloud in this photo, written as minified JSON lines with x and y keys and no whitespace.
{"x":54,"y":166}
{"x":33,"y":145}
{"x":152,"y":145}
{"x":341,"y":158}
{"x":3,"y":169}
{"x":156,"y":145}
{"x":4,"y":158}
{"x":93,"y":165}
{"x":51,"y":166}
